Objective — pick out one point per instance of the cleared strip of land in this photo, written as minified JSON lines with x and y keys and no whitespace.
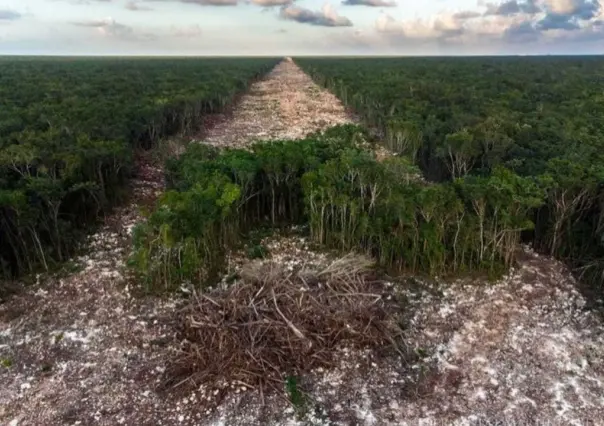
{"x":286,"y":104}
{"x":82,"y":349}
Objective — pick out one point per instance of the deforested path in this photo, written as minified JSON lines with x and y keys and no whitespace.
{"x":286,"y":104}
{"x":81,"y":347}
{"x":84,"y":348}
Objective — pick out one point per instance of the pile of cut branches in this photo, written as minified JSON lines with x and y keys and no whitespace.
{"x":276,"y":323}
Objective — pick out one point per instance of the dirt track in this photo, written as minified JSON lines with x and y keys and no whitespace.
{"x":81,"y":349}
{"x":287,"y":104}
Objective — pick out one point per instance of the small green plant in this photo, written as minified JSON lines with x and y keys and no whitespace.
{"x":231,"y":278}
{"x":59,"y":337}
{"x":421,"y":352}
{"x":6,"y":362}
{"x":257,"y":251}
{"x":71,"y":267}
{"x":296,"y":396}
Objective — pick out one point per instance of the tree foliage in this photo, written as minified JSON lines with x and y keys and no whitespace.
{"x":68,"y":129}
{"x":217,"y":196}
{"x":468,"y":117}
{"x":350,"y":200}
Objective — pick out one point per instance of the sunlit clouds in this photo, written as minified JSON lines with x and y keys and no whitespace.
{"x":307,"y":27}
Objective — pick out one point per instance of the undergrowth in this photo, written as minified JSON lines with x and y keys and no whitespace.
{"x":296,"y":395}
{"x":349,"y":199}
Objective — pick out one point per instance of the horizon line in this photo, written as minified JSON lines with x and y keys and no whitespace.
{"x":134,"y":55}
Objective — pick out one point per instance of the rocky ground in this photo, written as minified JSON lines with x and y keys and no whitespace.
{"x":85,"y":348}
{"x":285,"y":105}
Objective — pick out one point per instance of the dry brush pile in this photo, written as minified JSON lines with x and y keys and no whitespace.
{"x":277,"y":323}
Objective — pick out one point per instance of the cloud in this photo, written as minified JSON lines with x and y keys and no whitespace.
{"x":263,"y":3}
{"x":191,"y":31}
{"x":585,"y":9}
{"x":87,"y":2}
{"x":108,"y":27}
{"x":521,"y":32}
{"x":327,"y":17}
{"x":439,"y":27}
{"x":554,"y":21}
{"x":137,"y":7}
{"x":371,"y":3}
{"x":513,"y":7}
{"x":271,"y":3}
{"x":537,"y":22}
{"x":580,"y":9}
{"x":568,"y":15}
{"x":199,"y":2}
{"x":466,"y":14}
{"x":9,"y":15}
{"x":459,"y":28}
{"x":212,"y":2}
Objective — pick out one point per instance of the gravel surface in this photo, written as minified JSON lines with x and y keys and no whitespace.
{"x":286,"y":104}
{"x":84,"y":348}
{"x":523,"y":349}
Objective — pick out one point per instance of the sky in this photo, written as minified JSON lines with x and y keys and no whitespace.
{"x":301,"y":27}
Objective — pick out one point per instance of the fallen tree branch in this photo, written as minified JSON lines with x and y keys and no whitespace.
{"x":277,"y":323}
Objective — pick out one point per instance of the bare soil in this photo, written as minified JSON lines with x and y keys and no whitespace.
{"x":84,"y":348}
{"x":285,"y":105}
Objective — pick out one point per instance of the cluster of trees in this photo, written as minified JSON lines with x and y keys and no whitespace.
{"x":68,"y":129}
{"x":349,"y":199}
{"x":215,"y":197}
{"x":471,"y":224}
{"x":467,"y":117}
